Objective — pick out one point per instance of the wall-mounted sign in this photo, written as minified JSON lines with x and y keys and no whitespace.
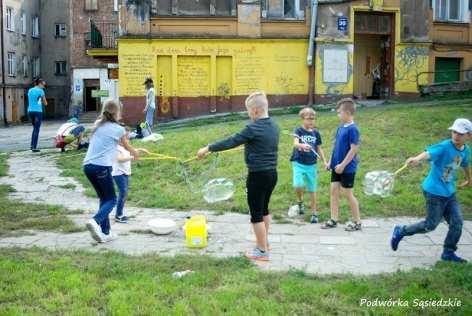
{"x":335,"y":66}
{"x":100,"y":93}
{"x":342,"y":23}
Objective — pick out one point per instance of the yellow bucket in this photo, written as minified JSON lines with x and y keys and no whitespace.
{"x":196,"y":232}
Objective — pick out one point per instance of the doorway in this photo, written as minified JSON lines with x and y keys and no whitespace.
{"x":373,"y":55}
{"x":91,"y":104}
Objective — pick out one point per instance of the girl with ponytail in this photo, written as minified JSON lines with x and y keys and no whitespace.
{"x":107,"y":133}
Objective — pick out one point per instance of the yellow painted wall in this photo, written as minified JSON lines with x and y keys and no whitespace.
{"x":192,"y":68}
{"x":410,"y":61}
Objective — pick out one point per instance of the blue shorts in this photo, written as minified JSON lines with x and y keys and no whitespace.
{"x":76,"y":131}
{"x":303,"y":172}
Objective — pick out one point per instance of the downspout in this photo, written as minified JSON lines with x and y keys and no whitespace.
{"x":4,"y":97}
{"x":311,"y":51}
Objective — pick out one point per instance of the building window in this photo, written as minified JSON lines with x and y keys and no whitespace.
{"x":451,"y":10}
{"x":61,"y":30}
{"x":35,"y":29}
{"x":115,"y":5}
{"x":283,"y":9}
{"x":25,"y":66}
{"x":35,"y":67}
{"x":91,"y":5}
{"x":10,"y":19}
{"x":61,"y":68}
{"x":23,"y":23}
{"x":11,"y":64}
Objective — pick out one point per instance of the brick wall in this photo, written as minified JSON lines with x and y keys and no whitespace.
{"x":81,"y":25}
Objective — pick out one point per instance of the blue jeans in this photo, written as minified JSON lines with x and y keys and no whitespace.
{"x":102,"y":182}
{"x":122,"y":184}
{"x":36,"y":118}
{"x":150,"y":116}
{"x":438,"y":207}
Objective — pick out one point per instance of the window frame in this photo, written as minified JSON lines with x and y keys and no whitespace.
{"x":36,"y":67}
{"x":463,"y":12}
{"x":25,"y":66}
{"x":10,"y":19}
{"x":62,"y":32}
{"x":23,"y":23}
{"x":91,"y":7}
{"x":11,"y":64}
{"x":62,"y":64}
{"x":35,"y":33}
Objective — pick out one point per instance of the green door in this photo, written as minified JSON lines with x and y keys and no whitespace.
{"x":447,"y":70}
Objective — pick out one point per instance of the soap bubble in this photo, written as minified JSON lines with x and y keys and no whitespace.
{"x":217,"y":190}
{"x":378,"y":183}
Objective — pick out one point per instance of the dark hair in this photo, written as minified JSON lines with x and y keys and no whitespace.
{"x":37,"y":81}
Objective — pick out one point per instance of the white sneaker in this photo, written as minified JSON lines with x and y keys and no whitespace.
{"x":94,"y":230}
{"x":110,"y":237}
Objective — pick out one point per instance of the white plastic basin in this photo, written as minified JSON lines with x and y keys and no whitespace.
{"x":162,"y":226}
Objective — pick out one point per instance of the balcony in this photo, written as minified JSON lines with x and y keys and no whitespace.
{"x":101,"y":40}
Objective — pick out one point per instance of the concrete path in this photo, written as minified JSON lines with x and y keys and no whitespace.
{"x":298,"y":245}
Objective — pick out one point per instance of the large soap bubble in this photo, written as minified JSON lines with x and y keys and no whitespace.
{"x":217,"y":190}
{"x":378,"y":183}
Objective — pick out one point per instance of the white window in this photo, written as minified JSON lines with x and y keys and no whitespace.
{"x":451,"y":10}
{"x":23,"y":23}
{"x":10,"y":19}
{"x":25,"y":66}
{"x":61,"y":69}
{"x":11,"y":64}
{"x":61,"y":30}
{"x":35,"y":65}
{"x":115,"y":5}
{"x":91,"y":5}
{"x":35,"y":26}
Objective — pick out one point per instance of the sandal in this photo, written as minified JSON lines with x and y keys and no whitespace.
{"x":331,"y":223}
{"x":352,"y":227}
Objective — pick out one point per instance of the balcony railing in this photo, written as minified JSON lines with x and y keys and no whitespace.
{"x":103,"y":34}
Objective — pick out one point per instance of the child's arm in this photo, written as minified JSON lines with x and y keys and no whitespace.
{"x":320,"y":152}
{"x":128,"y":147}
{"x":350,"y":155}
{"x":300,"y":146}
{"x":468,"y":177}
{"x":123,"y":158}
{"x":231,"y":142}
{"x":143,"y":150}
{"x":414,"y":161}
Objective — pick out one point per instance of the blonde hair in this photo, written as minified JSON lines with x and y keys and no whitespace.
{"x":346,"y":105}
{"x":306,"y":112}
{"x":257,"y":99}
{"x":111,"y":111}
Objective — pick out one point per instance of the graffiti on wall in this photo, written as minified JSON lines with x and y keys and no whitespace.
{"x":410,"y":62}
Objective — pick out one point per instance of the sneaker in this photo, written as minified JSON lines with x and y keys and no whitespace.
{"x":314,"y":218}
{"x":397,"y":236}
{"x":452,"y":257}
{"x":121,"y":219}
{"x":352,"y":227}
{"x":110,"y":237}
{"x":35,"y":150}
{"x":257,"y":254}
{"x":331,"y":223}
{"x":95,"y":230}
{"x":301,"y":209}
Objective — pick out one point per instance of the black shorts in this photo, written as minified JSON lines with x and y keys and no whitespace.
{"x":346,"y":179}
{"x":260,"y":185}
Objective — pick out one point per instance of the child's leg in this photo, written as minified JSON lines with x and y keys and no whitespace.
{"x":122,"y":183}
{"x":299,"y":192}
{"x":266,"y":215}
{"x":298,"y":181}
{"x":255,"y":200}
{"x":435,"y":208}
{"x":313,"y":202}
{"x":353,"y":204}
{"x":334,"y":200}
{"x":453,"y":216}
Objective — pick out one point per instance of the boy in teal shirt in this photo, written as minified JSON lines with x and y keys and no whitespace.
{"x":439,"y":189}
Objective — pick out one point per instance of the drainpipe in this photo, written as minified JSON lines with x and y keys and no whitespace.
{"x":4,"y":97}
{"x":311,"y":51}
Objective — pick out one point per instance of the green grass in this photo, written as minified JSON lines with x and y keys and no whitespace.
{"x":39,"y":282}
{"x":16,"y":216}
{"x":389,"y":136}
